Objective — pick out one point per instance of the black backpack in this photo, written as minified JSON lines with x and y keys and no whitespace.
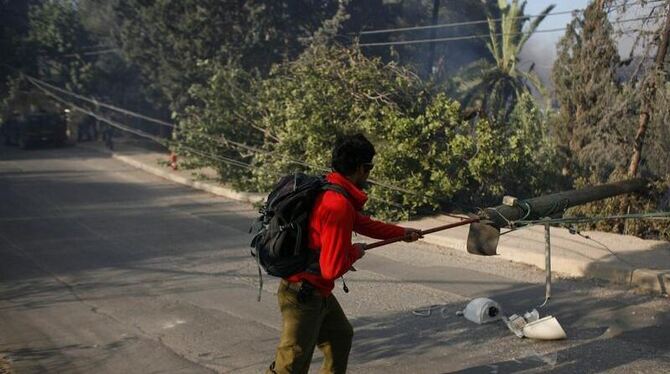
{"x":279,"y":241}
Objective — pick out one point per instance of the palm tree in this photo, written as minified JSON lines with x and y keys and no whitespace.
{"x":493,"y":86}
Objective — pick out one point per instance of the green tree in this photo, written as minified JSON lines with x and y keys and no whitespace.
{"x":168,"y":39}
{"x":117,"y":80}
{"x":14,"y":27}
{"x":52,"y":47}
{"x":70,"y":45}
{"x":495,"y":86}
{"x":658,"y":138}
{"x":598,"y":115}
{"x":59,"y":39}
{"x":424,"y":145}
{"x":438,"y":66}
{"x":16,"y":54}
{"x":591,"y":122}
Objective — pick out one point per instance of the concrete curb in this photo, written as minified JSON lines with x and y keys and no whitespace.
{"x":649,"y":280}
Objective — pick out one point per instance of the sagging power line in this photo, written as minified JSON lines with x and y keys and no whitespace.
{"x":455,"y":24}
{"x":99,"y":103}
{"x":488,"y":35}
{"x":93,"y":53}
{"x":162,"y":142}
{"x":486,"y":21}
{"x":222,"y":140}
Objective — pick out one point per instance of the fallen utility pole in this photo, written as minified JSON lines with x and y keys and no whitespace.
{"x":483,"y":235}
{"x":485,"y":227}
{"x":556,"y":204}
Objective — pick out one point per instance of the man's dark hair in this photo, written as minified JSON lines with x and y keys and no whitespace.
{"x":350,"y":152}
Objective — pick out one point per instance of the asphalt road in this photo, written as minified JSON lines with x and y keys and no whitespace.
{"x":106,"y":269}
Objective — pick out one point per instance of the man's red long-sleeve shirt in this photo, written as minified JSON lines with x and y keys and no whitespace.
{"x":334,"y":217}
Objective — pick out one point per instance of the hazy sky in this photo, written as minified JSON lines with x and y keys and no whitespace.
{"x":536,"y":6}
{"x":541,"y":48}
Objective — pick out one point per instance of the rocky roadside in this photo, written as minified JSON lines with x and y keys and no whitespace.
{"x":5,"y":367}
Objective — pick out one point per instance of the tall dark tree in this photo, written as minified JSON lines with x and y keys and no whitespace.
{"x":60,"y":41}
{"x":169,"y":39}
{"x":650,"y":89}
{"x":117,"y":80}
{"x":447,"y":57}
{"x":14,"y":27}
{"x":51,"y":48}
{"x":589,"y":94}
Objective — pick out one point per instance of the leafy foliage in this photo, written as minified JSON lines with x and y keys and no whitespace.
{"x":655,"y":198}
{"x":424,"y":146}
{"x":592,"y":101}
{"x":58,"y":35}
{"x":223,"y":113}
{"x":435,"y":61}
{"x":259,"y":89}
{"x":54,"y":35}
{"x":14,"y":27}
{"x":168,"y":39}
{"x":596,"y":121}
{"x":657,"y":154}
{"x":532,"y":152}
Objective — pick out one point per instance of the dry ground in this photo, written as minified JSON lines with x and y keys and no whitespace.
{"x":5,"y":368}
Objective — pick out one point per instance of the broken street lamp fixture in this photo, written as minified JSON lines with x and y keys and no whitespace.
{"x":485,"y":232}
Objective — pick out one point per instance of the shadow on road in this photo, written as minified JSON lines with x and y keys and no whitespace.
{"x":48,"y":151}
{"x":603,"y":333}
{"x":84,"y":231}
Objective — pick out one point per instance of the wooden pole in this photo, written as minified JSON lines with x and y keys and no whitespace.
{"x":547,"y":262}
{"x":431,"y":56}
{"x":423,"y":232}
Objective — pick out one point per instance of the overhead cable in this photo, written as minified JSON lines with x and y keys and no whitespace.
{"x":575,"y":220}
{"x":478,"y":36}
{"x":160,"y":141}
{"x":101,"y":104}
{"x":222,"y":139}
{"x":98,"y":117}
{"x":227,"y":160}
{"x":93,"y":53}
{"x":485,"y":21}
{"x":455,"y":24}
{"x":450,"y":39}
{"x":140,"y":133}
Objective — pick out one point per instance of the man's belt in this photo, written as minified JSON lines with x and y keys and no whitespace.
{"x":302,"y":288}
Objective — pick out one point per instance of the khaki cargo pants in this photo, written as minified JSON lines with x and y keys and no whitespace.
{"x":317,"y":321}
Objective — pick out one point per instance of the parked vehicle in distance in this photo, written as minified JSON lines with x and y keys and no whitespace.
{"x":33,"y":128}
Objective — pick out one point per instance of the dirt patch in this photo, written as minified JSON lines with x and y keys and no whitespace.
{"x":5,"y":367}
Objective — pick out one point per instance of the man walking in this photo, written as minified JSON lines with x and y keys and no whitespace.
{"x":311,"y":315}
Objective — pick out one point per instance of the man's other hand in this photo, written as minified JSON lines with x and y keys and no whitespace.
{"x":361,"y":249}
{"x":412,"y":235}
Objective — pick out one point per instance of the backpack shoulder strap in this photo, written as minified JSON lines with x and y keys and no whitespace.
{"x":337,"y":188}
